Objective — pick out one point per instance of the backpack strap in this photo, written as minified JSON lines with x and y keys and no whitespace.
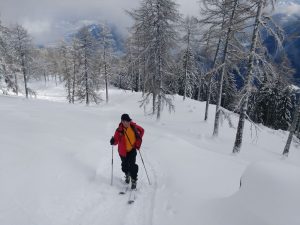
{"x":135,"y":130}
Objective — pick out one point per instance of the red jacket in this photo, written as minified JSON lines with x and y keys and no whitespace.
{"x":120,"y":138}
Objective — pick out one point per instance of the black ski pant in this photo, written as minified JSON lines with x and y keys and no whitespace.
{"x":128,"y":164}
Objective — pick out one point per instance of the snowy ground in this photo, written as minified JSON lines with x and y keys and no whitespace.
{"x":55,"y":166}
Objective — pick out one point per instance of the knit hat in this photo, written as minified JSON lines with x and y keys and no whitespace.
{"x":125,"y":117}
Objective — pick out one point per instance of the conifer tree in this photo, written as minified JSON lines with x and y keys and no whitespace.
{"x":189,"y":27}
{"x":154,"y":26}
{"x":66,"y":68}
{"x":87,"y":80}
{"x":106,"y":48}
{"x":8,"y":69}
{"x":22,"y":47}
{"x":292,"y":129}
{"x":254,"y":57}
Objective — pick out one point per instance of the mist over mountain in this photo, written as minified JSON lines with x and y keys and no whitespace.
{"x":96,"y":31}
{"x":287,"y":15}
{"x":290,"y":24}
{"x":69,"y":29}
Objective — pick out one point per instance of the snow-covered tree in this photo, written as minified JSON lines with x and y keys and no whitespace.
{"x":272,"y":104}
{"x":233,"y":5}
{"x":257,"y":61}
{"x":154,"y":26}
{"x":106,"y":50}
{"x":230,"y":92}
{"x":76,"y":62}
{"x":53,"y":64}
{"x":284,"y":109}
{"x":189,"y":28}
{"x":22,"y":45}
{"x":7,"y":76}
{"x":66,"y":68}
{"x":40,"y":64}
{"x":132,"y":65}
{"x":88,"y":78}
{"x":210,"y":17}
{"x":292,"y":129}
{"x":224,"y":20}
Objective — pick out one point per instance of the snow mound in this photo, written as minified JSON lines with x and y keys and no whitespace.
{"x":272,"y":192}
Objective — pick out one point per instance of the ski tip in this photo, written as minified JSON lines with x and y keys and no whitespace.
{"x":121,"y":193}
{"x":130,"y":202}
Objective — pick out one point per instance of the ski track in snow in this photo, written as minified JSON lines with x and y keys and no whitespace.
{"x":111,"y":208}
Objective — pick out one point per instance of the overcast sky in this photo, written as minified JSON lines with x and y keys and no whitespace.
{"x":45,"y":20}
{"x":49,"y":20}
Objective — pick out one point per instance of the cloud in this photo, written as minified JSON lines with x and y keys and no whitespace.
{"x":45,"y":19}
{"x":289,"y":8}
{"x":37,"y":27}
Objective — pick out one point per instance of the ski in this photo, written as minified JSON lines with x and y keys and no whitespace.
{"x":123,"y":192}
{"x":131,"y":197}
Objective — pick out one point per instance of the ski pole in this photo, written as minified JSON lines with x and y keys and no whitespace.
{"x":112,"y":165}
{"x":145,"y":167}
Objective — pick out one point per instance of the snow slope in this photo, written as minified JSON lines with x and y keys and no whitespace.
{"x":55,"y":166}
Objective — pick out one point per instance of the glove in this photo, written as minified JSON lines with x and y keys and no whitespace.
{"x":112,"y":141}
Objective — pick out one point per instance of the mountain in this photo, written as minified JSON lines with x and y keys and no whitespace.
{"x":287,"y":16}
{"x":291,"y":26}
{"x":96,"y":29}
{"x":69,"y":29}
{"x":285,"y":3}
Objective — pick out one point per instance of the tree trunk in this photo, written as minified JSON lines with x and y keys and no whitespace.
{"x":73,"y":81}
{"x":139,"y":72}
{"x":249,"y":78}
{"x":199,"y":90}
{"x":16,"y":84}
{"x":55,"y":77}
{"x":186,"y":66}
{"x":106,"y":83}
{"x":159,"y":97}
{"x":45,"y":77}
{"x":144,"y":75}
{"x":153,"y":102}
{"x":292,"y":130}
{"x":208,"y":95}
{"x":105,"y":72}
{"x":219,"y":98}
{"x":25,"y":76}
{"x":86,"y":81}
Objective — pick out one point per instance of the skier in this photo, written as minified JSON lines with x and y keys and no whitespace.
{"x":128,"y":137}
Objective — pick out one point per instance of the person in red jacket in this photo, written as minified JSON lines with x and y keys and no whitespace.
{"x":128,"y":137}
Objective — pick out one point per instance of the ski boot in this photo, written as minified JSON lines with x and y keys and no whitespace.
{"x":127,"y":178}
{"x":133,"y":184}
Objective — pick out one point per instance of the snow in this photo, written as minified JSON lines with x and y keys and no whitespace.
{"x":55,"y":166}
{"x":295,"y":88}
